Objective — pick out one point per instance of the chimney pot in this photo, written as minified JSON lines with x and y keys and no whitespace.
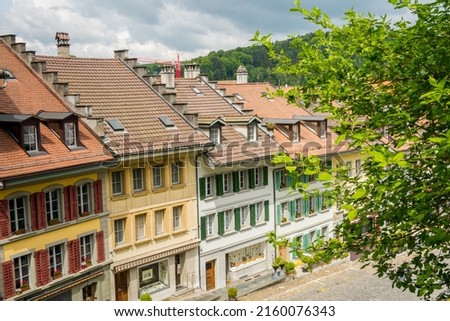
{"x":62,"y":42}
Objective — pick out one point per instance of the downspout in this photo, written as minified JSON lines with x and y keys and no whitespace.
{"x":274,"y":210}
{"x":198,"y":218}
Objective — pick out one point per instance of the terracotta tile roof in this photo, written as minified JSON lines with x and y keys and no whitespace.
{"x":270,"y":108}
{"x":28,"y":94}
{"x":116,"y":92}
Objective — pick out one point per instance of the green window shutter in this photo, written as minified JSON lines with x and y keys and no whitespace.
{"x":251,"y":178}
{"x":237,"y":219}
{"x":290,"y":180}
{"x":265,"y":176}
{"x":304,"y":178}
{"x":203,"y":228}
{"x":278,"y":214}
{"x":292,"y":210}
{"x":221,"y":223}
{"x":319,"y":202}
{"x":235,"y":182}
{"x":305,"y":241}
{"x":252,"y":214}
{"x":219,"y":185}
{"x":277,"y":180}
{"x":202,"y":186}
{"x":306,"y":207}
{"x":266,"y":211}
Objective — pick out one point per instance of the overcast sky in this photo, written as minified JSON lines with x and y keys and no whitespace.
{"x":159,"y":29}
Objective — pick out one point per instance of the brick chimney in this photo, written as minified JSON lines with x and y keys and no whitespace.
{"x":241,"y":75}
{"x":191,"y":71}
{"x":62,"y":42}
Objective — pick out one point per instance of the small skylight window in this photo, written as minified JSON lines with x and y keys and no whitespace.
{"x":197,"y":91}
{"x":166,"y":121}
{"x":115,"y":124}
{"x":239,"y":97}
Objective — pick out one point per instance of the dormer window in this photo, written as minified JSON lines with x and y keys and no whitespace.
{"x":214,"y":135}
{"x":30,"y":138}
{"x":295,"y":133}
{"x":322,"y":129}
{"x":252,"y":133}
{"x":70,"y":134}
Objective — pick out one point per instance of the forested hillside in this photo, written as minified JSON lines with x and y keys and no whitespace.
{"x":222,"y":65}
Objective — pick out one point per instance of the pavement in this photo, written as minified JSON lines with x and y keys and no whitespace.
{"x":341,"y":281}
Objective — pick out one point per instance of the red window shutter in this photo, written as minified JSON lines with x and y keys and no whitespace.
{"x":98,"y":196}
{"x":38,"y":211}
{"x":67,"y":206}
{"x":74,"y":256}
{"x":74,"y":202}
{"x":42,"y":261}
{"x":4,"y":220}
{"x":8,"y":279}
{"x":100,"y":240}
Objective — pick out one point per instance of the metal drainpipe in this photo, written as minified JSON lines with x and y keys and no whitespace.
{"x":274,"y":210}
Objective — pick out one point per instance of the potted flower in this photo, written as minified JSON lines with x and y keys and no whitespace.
{"x":24,"y":285}
{"x":54,"y":221}
{"x":145,"y":296}
{"x":232,"y":294}
{"x":57,"y":274}
{"x":86,"y":262}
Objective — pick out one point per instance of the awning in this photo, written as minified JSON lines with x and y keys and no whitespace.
{"x":134,"y":262}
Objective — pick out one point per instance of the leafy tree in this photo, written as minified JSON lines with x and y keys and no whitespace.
{"x":386,"y":83}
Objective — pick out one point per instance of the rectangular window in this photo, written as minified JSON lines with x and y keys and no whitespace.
{"x":119,"y":231}
{"x":252,"y":133}
{"x":22,"y":271}
{"x":227,"y":182}
{"x":242,"y":180}
{"x":228,"y":220}
{"x":295,"y":136}
{"x":176,"y":216}
{"x":70,"y":134}
{"x":30,"y":142}
{"x":284,"y":212}
{"x":244,"y":215}
{"x":84,"y":198}
{"x":349,"y":166}
{"x":299,"y":207}
{"x":159,"y":222}
{"x":176,"y":178}
{"x":259,"y":210}
{"x":53,"y":206}
{"x":154,"y":277}
{"x":18,"y":214}
{"x":210,"y":224}
{"x":86,"y":250}
{"x":117,"y":183}
{"x":209,"y":181}
{"x":214,"y":135}
{"x":56,"y":259}
{"x":322,"y":129}
{"x":157,"y":176}
{"x":357,"y":167}
{"x":138,"y":179}
{"x":259,"y":176}
{"x":140,"y":226}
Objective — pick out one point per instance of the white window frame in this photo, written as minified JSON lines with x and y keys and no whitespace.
{"x":53,"y":204}
{"x":357,"y":167}
{"x":284,"y":210}
{"x":87,"y":248}
{"x":22,"y":270}
{"x":84,"y":197}
{"x":56,"y":258}
{"x":30,"y":138}
{"x":18,"y":215}
{"x":295,"y":133}
{"x":70,"y":134}
{"x":243,"y":180}
{"x":227,"y":179}
{"x":177,"y":212}
{"x":228,"y":220}
{"x":157,"y":172}
{"x":210,"y":224}
{"x":117,"y":183}
{"x":138,"y":179}
{"x":214,"y":135}
{"x":209,"y":186}
{"x":176,"y":177}
{"x":159,"y":222}
{"x":252,"y":133}
{"x":119,"y":231}
{"x":243,"y":212}
{"x":140,"y":225}
{"x":259,"y":210}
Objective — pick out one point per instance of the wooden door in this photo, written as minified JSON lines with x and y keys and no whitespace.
{"x":121,"y":284}
{"x":210,"y":267}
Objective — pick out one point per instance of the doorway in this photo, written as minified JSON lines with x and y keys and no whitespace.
{"x":121,"y":283}
{"x":179,"y":265}
{"x":210,"y":267}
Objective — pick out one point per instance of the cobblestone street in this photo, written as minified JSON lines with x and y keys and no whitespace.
{"x":342,"y":282}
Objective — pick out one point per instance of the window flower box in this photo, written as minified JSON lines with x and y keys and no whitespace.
{"x":84,"y":214}
{"x":54,"y":221}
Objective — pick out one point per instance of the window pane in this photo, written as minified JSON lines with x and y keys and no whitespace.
{"x":159,"y":222}
{"x":140,"y":226}
{"x":138,"y":179}
{"x":157,"y":176}
{"x":119,"y":231}
{"x":52,"y":206}
{"x":117,"y":183}
{"x":175,"y":173}
{"x":70,"y":134}
{"x":30,"y":138}
{"x":86,"y":250}
{"x":177,"y":210}
{"x":84,"y":198}
{"x":22,"y":271}
{"x":17,"y":214}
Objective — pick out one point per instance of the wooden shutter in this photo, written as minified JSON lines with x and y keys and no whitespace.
{"x":292,"y":210}
{"x":9,"y":288}
{"x":70,"y":203}
{"x":221,"y":223}
{"x":251,"y":178}
{"x":202,"y":187}
{"x":306,"y":241}
{"x":236,"y":182}
{"x":306,"y":207}
{"x":277,"y":180}
{"x":100,"y":241}
{"x":237,"y":219}
{"x":203,"y":228}
{"x":42,"y":261}
{"x":265,"y":176}
{"x":278,"y":214}
{"x":38,"y":211}
{"x":5,"y":228}
{"x":74,"y":256}
{"x":252,"y":214}
{"x":219,"y":185}
{"x":266,"y":211}
{"x":98,"y":196}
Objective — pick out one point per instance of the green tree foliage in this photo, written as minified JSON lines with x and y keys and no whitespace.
{"x":386,"y":82}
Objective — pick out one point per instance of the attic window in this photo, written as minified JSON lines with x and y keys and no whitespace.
{"x":239,"y":97}
{"x":197,"y":91}
{"x":6,"y":74}
{"x":166,"y":121}
{"x":115,"y":124}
